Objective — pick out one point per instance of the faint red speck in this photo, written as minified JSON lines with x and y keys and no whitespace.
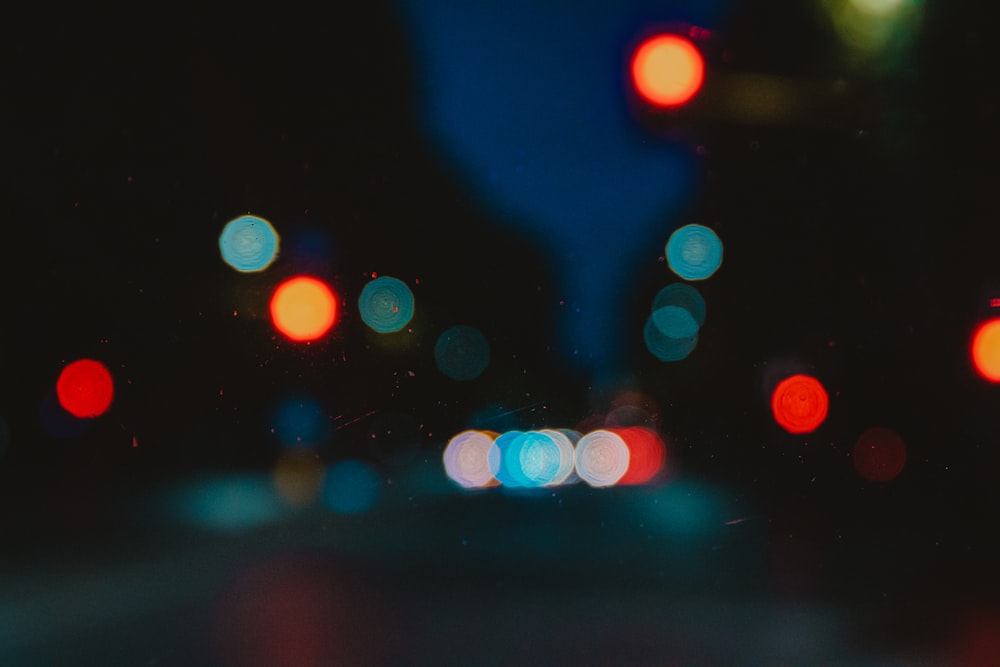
{"x":411,"y":374}
{"x":220,"y":392}
{"x":235,"y":313}
{"x":416,"y":281}
{"x":374,"y":274}
{"x":995,"y":302}
{"x":130,"y":179}
{"x":135,"y":442}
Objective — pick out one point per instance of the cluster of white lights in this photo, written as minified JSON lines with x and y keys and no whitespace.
{"x":476,"y":459}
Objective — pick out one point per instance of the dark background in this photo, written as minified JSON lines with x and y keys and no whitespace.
{"x":860,"y":248}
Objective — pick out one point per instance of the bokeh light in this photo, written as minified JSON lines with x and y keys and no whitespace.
{"x":565,"y":441}
{"x":877,"y":7}
{"x":533,"y":459}
{"x":799,"y":403}
{"x":664,"y":347}
{"x":694,"y":252}
{"x":602,"y":458}
{"x":647,"y":454}
{"x":681,"y":295}
{"x":462,"y":353}
{"x":85,"y":388}
{"x":879,"y":454}
{"x":298,"y":478}
{"x":303,"y":308}
{"x":985,"y":350}
{"x":674,"y":322}
{"x":667,"y":70}
{"x":300,"y":421}
{"x":500,"y":460}
{"x":877,"y":33}
{"x":351,"y":487}
{"x":229,"y":504}
{"x":248,"y":244}
{"x":386,"y":304}
{"x":465,"y":459}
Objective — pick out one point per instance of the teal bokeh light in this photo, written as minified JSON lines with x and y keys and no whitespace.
{"x":462,"y":353}
{"x":351,"y":487}
{"x":682,"y":296}
{"x":300,"y":421}
{"x":664,"y":347}
{"x":675,"y":322}
{"x":248,"y":244}
{"x":694,"y":252}
{"x":386,"y":304}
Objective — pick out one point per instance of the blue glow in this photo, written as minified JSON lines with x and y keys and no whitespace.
{"x":561,"y":153}
{"x":386,"y":304}
{"x":666,"y":348}
{"x":683,"y":296}
{"x":462,"y":353}
{"x":351,"y":487}
{"x":694,"y":252}
{"x":300,"y":421}
{"x":248,"y":244}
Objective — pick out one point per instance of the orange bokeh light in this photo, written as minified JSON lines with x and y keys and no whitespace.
{"x":85,"y":388}
{"x":986,"y":350}
{"x":667,"y":70}
{"x":799,"y":403}
{"x":303,"y":308}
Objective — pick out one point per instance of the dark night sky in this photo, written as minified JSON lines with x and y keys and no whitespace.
{"x":862,"y":250}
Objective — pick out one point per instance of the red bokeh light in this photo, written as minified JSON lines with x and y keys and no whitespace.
{"x":879,"y":454}
{"x":85,"y":388}
{"x":647,"y":454}
{"x":799,"y":403}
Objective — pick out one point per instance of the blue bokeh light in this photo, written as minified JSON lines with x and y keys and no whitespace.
{"x":664,"y":347}
{"x":462,"y":353}
{"x":386,"y":304}
{"x":674,"y":322}
{"x":300,"y":421}
{"x":683,"y":296}
{"x":694,"y":252}
{"x":351,"y":487}
{"x":248,"y":244}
